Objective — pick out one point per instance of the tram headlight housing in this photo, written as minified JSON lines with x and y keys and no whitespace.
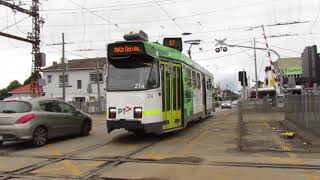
{"x":112,"y":112}
{"x":137,"y":112}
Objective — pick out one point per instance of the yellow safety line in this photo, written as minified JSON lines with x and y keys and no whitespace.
{"x":54,"y":169}
{"x":67,"y":163}
{"x":152,"y":112}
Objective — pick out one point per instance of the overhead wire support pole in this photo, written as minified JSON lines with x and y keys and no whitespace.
{"x":34,"y":39}
{"x":35,"y":48}
{"x":98,"y":84}
{"x":17,"y":8}
{"x":249,"y":47}
{"x":63,"y":70}
{"x":255,"y":66}
{"x":17,"y":38}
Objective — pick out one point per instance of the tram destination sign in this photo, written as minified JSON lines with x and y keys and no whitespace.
{"x":125,"y":49}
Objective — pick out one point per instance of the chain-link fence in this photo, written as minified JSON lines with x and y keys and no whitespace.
{"x":287,"y":124}
{"x":90,"y":107}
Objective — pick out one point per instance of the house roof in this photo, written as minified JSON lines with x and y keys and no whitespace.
{"x":24,"y":89}
{"x":76,"y":64}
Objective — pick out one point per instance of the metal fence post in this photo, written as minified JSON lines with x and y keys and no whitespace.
{"x":240,"y":121}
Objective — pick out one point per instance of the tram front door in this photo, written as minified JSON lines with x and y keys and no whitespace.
{"x":171,"y":95}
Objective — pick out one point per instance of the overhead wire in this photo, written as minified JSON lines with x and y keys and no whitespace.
{"x":286,"y":49}
{"x":316,"y":19}
{"x":223,"y":9}
{"x":16,"y":22}
{"x":104,"y":19}
{"x":206,"y":59}
{"x":150,"y":3}
{"x":53,"y":47}
{"x":167,"y":14}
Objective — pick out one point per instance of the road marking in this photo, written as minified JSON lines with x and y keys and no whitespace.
{"x":67,"y":163}
{"x":59,"y":169}
{"x":156,"y":155}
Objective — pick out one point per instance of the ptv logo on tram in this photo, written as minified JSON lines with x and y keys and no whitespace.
{"x":124,"y":110}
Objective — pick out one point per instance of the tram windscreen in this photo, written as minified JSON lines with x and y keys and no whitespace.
{"x":135,"y":73}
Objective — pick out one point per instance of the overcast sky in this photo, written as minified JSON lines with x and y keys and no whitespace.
{"x":91,"y":24}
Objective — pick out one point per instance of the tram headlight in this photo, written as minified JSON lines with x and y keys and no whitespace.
{"x":137,"y":112}
{"x":112,"y":112}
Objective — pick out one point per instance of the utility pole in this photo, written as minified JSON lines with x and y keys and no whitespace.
{"x":63,"y":70}
{"x":244,"y":85}
{"x":35,"y":89}
{"x":33,"y":38}
{"x":98,"y":84}
{"x":255,"y":66}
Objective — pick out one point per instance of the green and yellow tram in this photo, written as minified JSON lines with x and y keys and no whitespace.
{"x":155,"y":88}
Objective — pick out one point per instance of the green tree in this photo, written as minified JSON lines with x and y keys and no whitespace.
{"x":12,"y":85}
{"x":230,"y":95}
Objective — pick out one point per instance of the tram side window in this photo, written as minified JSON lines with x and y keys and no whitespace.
{"x":179,"y":87}
{"x":174,"y":87}
{"x":198,"y":81}
{"x":188,"y":71}
{"x":194,"y":81}
{"x":210,"y":85}
{"x":162,"y":82}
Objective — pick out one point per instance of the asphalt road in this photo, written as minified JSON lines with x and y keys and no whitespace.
{"x":205,"y":150}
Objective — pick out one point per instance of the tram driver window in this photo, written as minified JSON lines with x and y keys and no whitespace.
{"x":153,"y":81}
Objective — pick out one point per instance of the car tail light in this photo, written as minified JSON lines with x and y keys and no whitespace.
{"x":26,"y":118}
{"x":137,"y":112}
{"x":112,"y":113}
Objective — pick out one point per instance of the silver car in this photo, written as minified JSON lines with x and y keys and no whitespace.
{"x":39,"y":119}
{"x":226,"y":104}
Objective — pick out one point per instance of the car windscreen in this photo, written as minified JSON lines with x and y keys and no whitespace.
{"x":14,"y":107}
{"x":134,"y":73}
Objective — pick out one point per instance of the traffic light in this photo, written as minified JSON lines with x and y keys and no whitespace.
{"x":245,"y":82}
{"x":243,"y":78}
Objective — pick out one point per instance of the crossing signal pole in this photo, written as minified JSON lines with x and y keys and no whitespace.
{"x":38,"y":58}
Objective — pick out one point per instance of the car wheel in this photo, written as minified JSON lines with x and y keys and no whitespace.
{"x":85,"y":129}
{"x":40,"y":136}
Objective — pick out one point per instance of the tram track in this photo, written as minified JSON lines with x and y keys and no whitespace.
{"x":109,"y":162}
{"x":50,"y":160}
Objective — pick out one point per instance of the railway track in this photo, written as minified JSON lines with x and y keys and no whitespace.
{"x":25,"y":172}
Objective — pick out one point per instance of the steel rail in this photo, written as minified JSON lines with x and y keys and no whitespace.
{"x":41,"y":164}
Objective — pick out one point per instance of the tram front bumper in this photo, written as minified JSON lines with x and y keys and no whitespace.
{"x":133,"y":125}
